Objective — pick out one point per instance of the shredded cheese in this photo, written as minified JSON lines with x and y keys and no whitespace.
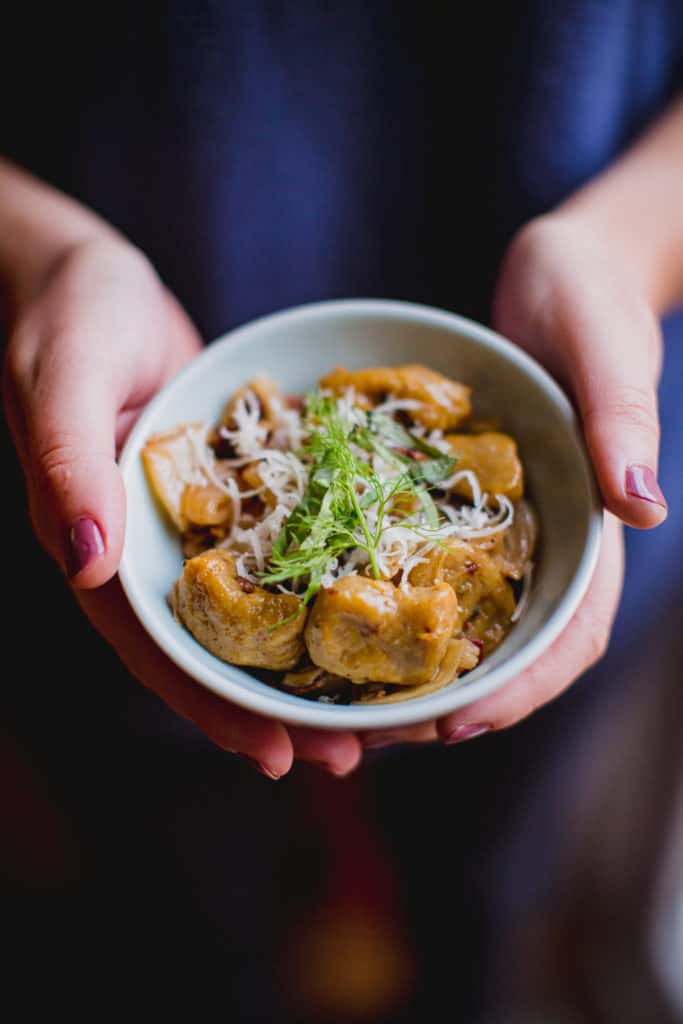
{"x":398,"y":404}
{"x":275,"y":449}
{"x":250,"y":433}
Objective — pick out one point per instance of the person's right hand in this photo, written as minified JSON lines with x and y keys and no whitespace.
{"x":92,"y":341}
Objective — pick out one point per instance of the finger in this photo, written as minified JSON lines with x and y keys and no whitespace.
{"x":262,"y":740}
{"x":375,"y":739}
{"x":62,"y":413}
{"x":81,"y":365}
{"x":183,"y":344}
{"x":613,"y":363}
{"x":337,"y":752}
{"x":565,"y":299}
{"x":581,"y":644}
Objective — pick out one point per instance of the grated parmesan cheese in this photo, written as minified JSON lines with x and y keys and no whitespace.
{"x":249,"y":433}
{"x":398,"y":404}
{"x":404,"y":541}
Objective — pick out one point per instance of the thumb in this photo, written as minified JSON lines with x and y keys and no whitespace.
{"x":62,"y":415}
{"x":564,"y":297}
{"x":613,"y":366}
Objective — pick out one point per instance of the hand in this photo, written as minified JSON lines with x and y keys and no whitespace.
{"x":575,"y":302}
{"x":91,"y":343}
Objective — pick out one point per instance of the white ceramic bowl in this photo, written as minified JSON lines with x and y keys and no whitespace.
{"x":296,"y":347}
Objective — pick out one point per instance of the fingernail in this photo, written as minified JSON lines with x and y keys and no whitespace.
{"x":339,"y":773}
{"x":379,"y":740}
{"x":85,"y":544}
{"x":642,"y":483}
{"x":466,"y":732}
{"x":261,"y":768}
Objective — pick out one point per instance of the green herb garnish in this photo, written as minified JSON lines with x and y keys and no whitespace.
{"x":330,"y":518}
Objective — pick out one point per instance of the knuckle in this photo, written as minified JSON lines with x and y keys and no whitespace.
{"x":56,"y":461}
{"x":631,"y":406}
{"x":533,"y":236}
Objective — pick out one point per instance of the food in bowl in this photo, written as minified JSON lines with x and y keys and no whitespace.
{"x":366,"y":544}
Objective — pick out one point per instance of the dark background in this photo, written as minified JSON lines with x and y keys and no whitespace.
{"x":265,"y":155}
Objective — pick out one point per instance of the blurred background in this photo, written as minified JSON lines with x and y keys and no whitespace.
{"x":531,"y":877}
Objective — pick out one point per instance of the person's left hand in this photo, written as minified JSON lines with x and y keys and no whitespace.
{"x":575,"y":302}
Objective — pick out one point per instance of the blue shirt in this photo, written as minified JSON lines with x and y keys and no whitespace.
{"x":266,"y":154}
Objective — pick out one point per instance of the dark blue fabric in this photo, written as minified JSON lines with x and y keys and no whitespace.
{"x":267,"y":154}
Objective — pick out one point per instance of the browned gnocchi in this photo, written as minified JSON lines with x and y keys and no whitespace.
{"x":368,"y":544}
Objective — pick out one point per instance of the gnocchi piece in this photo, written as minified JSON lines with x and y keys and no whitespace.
{"x":170,"y":460}
{"x":234,"y":618}
{"x":472,"y":574}
{"x":206,"y":505}
{"x":268,"y":395}
{"x":493,"y":458}
{"x":365,"y":630}
{"x":443,"y":403}
{"x":461,"y":655}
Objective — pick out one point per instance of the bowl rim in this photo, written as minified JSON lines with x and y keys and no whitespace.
{"x":224,"y":679}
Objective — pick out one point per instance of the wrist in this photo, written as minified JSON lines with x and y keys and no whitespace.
{"x":635,"y":205}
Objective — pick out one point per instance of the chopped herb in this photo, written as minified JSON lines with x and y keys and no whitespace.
{"x":342,"y":487}
{"x":396,"y":435}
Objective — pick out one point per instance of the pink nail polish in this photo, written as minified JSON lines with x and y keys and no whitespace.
{"x":85,"y":544}
{"x":466,"y":732}
{"x":642,"y":483}
{"x":261,"y":768}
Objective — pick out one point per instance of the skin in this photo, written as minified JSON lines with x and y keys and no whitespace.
{"x":583,"y":290}
{"x":94,"y":334}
